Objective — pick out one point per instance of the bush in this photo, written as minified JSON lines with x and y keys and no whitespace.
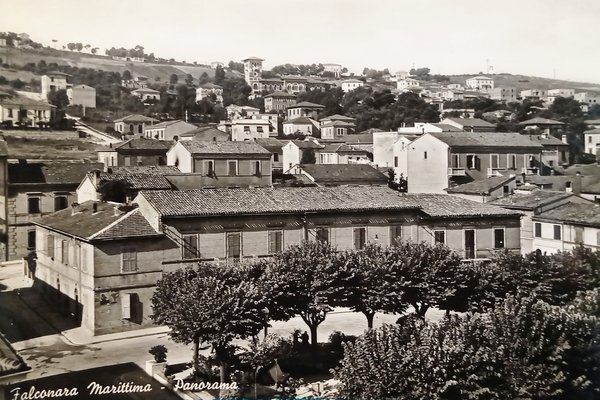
{"x":337,"y":340}
{"x":159,"y":352}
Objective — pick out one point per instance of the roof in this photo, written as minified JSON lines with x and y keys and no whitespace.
{"x":306,"y":144}
{"x":103,"y":224}
{"x":300,"y":121}
{"x":253,"y":59}
{"x":206,"y":133}
{"x":541,"y":121}
{"x":332,"y":173}
{"x":583,"y":169}
{"x":145,"y":90}
{"x":306,"y":104}
{"x":144,"y":144}
{"x":270,"y":144}
{"x":480,"y":77}
{"x":82,"y":86}
{"x":56,"y":73}
{"x":209,"y":202}
{"x":357,"y":138}
{"x":50,"y":172}
{"x":164,"y":124}
{"x":577,"y":214}
{"x":146,"y":169}
{"x":137,"y":181}
{"x":472,"y":122}
{"x":136,"y":118}
{"x":211,"y":147}
{"x":210,"y":85}
{"x":370,"y":131}
{"x":593,"y":131}
{"x":346,"y":124}
{"x":279,"y":93}
{"x":482,"y":186}
{"x":530,"y":201}
{"x":338,"y":117}
{"x":446,"y":127}
{"x":352,"y":81}
{"x":486,"y":139}
{"x":19,"y":100}
{"x":341,"y":148}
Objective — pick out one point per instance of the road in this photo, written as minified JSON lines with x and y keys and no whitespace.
{"x":101,"y":136}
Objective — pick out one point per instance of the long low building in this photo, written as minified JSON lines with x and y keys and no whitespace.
{"x":102,"y":261}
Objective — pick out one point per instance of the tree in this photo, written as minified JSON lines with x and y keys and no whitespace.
{"x":79,"y":46}
{"x":204,"y":78}
{"x":594,"y":111}
{"x":308,"y":157}
{"x":301,"y":282}
{"x":116,"y":190}
{"x":236,"y":66}
{"x":173,"y":79}
{"x":71,"y":46}
{"x":209,"y":304}
{"x":219,"y":75}
{"x":94,"y":50}
{"x":189,"y":80}
{"x":127,"y":75}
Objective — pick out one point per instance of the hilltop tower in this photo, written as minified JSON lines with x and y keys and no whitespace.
{"x":253,"y":72}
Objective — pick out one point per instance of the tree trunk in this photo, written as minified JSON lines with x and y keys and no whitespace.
{"x":196,"y":351}
{"x":223,"y":372}
{"x":313,"y":336}
{"x":370,"y":317}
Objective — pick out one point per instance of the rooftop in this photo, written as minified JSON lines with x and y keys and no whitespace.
{"x":482,"y":186}
{"x":338,"y":117}
{"x":487,"y":139}
{"x":136,"y":118}
{"x":137,"y":181}
{"x":306,"y":144}
{"x":578,"y":214}
{"x":281,"y":94}
{"x":300,"y":120}
{"x":144,"y":144}
{"x":50,"y":172}
{"x":446,"y":127}
{"x":333,"y":173}
{"x":165,"y":124}
{"x":306,"y":104}
{"x":19,"y":100}
{"x":270,"y":144}
{"x":541,"y":121}
{"x":206,"y":133}
{"x":471,"y":122}
{"x":146,"y":169}
{"x":211,"y":147}
{"x":531,"y":200}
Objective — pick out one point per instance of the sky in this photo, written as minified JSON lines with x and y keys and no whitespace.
{"x":547,"y":38}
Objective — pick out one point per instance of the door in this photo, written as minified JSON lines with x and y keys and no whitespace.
{"x":469,"y":243}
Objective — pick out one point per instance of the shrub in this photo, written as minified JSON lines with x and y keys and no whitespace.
{"x":159,"y":352}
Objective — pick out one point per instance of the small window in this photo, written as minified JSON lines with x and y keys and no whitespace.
{"x":259,"y":129}
{"x":494,"y":161}
{"x":64,"y":247}
{"x":579,"y":234}
{"x":396,"y":161}
{"x":33,"y":204}
{"x":360,"y":238}
{"x":31,"y":239}
{"x":209,"y":167}
{"x":557,"y":232}
{"x":129,"y":260}
{"x":257,"y":168}
{"x":439,"y":237}
{"x":60,"y":202}
{"x":190,"y":247}
{"x":322,"y":234}
{"x":232,"y":167}
{"x":234,"y":245}
{"x":538,"y":229}
{"x":499,"y":238}
{"x":506,"y":190}
{"x":395,"y":234}
{"x":425,"y":155}
{"x":275,"y":242}
{"x":275,"y":157}
{"x":50,"y":246}
{"x":472,"y":161}
{"x":455,"y":160}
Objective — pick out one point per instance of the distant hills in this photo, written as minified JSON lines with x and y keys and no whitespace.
{"x":522,"y":82}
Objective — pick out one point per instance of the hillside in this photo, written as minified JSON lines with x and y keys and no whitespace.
{"x":522,"y":82}
{"x":83,"y":60}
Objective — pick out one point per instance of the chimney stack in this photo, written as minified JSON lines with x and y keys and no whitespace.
{"x":577,"y":184}
{"x":74,"y":208}
{"x":564,"y":139}
{"x":94,"y":208}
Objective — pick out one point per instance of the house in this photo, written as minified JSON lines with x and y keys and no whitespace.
{"x":407,"y":84}
{"x":207,"y":90}
{"x":134,"y":123}
{"x":141,"y":151}
{"x":544,"y":124}
{"x":436,"y":160}
{"x":295,"y":84}
{"x":237,"y":112}
{"x":591,"y":140}
{"x":341,"y":174}
{"x":335,"y":69}
{"x":469,"y":124}
{"x":168,"y":130}
{"x":216,"y":64}
{"x":279,"y":101}
{"x":297,"y":151}
{"x":101,"y":261}
{"x":89,"y":188}
{"x":340,"y":153}
{"x":480,"y":83}
{"x":592,"y":123}
{"x":553,"y":94}
{"x":19,"y":110}
{"x":588,"y":98}
{"x":301,"y":125}
{"x":351,"y":84}
{"x":206,"y":133}
{"x":362,"y":141}
{"x":390,"y":150}
{"x":53,"y":81}
{"x":485,"y":190}
{"x":248,"y":129}
{"x":253,"y":72}
{"x":220,"y":164}
{"x":31,"y":189}
{"x":305,"y":109}
{"x":532,"y":203}
{"x":146,"y":95}
{"x":139,"y":82}
{"x":534,"y":94}
{"x":505,"y":94}
{"x":337,"y":117}
{"x":427,"y":127}
{"x":566,"y":227}
{"x":82,"y":95}
{"x":275,"y":147}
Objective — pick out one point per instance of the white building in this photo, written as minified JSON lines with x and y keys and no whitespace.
{"x":82,"y":95}
{"x":53,"y":81}
{"x":591,"y":141}
{"x":351,"y":84}
{"x":146,"y":94}
{"x":407,"y":83}
{"x":247,"y":129}
{"x":336,"y":69}
{"x":590,"y":98}
{"x":207,"y":89}
{"x":481,"y":83}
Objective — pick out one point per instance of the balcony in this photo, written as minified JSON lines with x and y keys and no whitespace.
{"x":493,"y":172}
{"x":456,"y":172}
{"x":530,"y":171}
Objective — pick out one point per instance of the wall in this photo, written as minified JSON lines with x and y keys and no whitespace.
{"x":86,"y":191}
{"x":238,"y":132}
{"x":428,"y":175}
{"x":383,"y":143}
{"x":82,"y":96}
{"x":291,"y":156}
{"x":246,"y":176}
{"x":179,"y":156}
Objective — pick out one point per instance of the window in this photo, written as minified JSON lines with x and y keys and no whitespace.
{"x":557,"y":232}
{"x":322,"y":234}
{"x":275,"y":241}
{"x":259,"y":129}
{"x":579,"y":234}
{"x":499,"y":238}
{"x":257,"y":168}
{"x":60,"y":202}
{"x":396,"y":161}
{"x":10,"y":113}
{"x":64,"y":252}
{"x":455,"y":161}
{"x":126,"y":306}
{"x":425,"y":155}
{"x":439,"y":237}
{"x":234,"y":245}
{"x":31,"y":239}
{"x":76,"y":256}
{"x":209,"y":167}
{"x":360,"y":238}
{"x":128,"y":260}
{"x":33,"y":204}
{"x":50,"y":246}
{"x":127,"y":161}
{"x":232,"y":166}
{"x":494,"y":161}
{"x":538,"y":230}
{"x":395,"y":234}
{"x":275,"y":157}
{"x":189,"y":247}
{"x":472,"y":161}
{"x":246,"y":129}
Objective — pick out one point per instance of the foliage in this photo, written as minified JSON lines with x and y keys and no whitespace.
{"x":522,"y":350}
{"x":308,"y":157}
{"x":219,"y":75}
{"x":264,"y":353}
{"x":330,"y":99}
{"x":159,"y":352}
{"x":302,"y":69}
{"x":236,"y":66}
{"x":594,"y":111}
{"x":173,"y":79}
{"x":116,"y":191}
{"x":235,"y":91}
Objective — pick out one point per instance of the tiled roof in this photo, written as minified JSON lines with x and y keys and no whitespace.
{"x":144,"y":144}
{"x":210,"y":85}
{"x":583,"y":169}
{"x":593,"y":132}
{"x":270,"y":144}
{"x":208,"y":202}
{"x":446,"y":127}
{"x":206,"y":133}
{"x":281,"y":94}
{"x":307,"y":144}
{"x":306,"y":104}
{"x":300,"y":120}
{"x":146,"y":169}
{"x":253,"y":59}
{"x":482,"y":186}
{"x":164,"y":124}
{"x":137,"y":181}
{"x":145,"y":90}
{"x":487,"y":139}
{"x":86,"y":224}
{"x":530,"y":201}
{"x":19,"y":100}
{"x":340,"y":148}
{"x":578,"y":214}
{"x":210,"y":147}
{"x":541,"y":121}
{"x":56,"y":73}
{"x":338,"y":123}
{"x":332,"y":173}
{"x":358,"y":138}
{"x":472,"y":122}
{"x":50,"y":172}
{"x":338,"y":117}
{"x":370,"y":131}
{"x":136,"y":118}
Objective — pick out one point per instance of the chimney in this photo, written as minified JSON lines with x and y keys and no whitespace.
{"x":94,"y":208}
{"x":576,"y":185}
{"x":74,"y":208}
{"x":116,"y":211}
{"x":564,"y":139}
{"x":96,"y":177}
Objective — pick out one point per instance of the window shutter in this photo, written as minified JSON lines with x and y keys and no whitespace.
{"x":477,"y":163}
{"x":126,"y":306}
